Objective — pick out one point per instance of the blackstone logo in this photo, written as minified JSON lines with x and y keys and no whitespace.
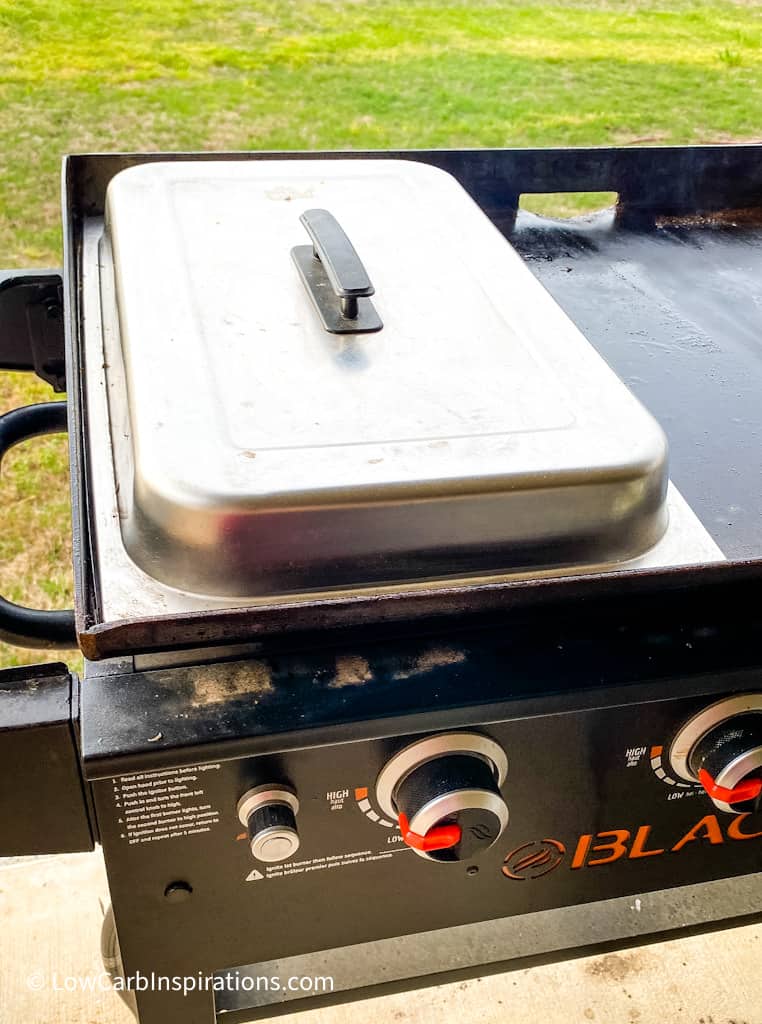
{"x":533,"y":860}
{"x":538,"y":858}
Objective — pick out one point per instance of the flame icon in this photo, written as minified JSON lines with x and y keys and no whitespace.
{"x":533,"y":860}
{"x":481,"y":831}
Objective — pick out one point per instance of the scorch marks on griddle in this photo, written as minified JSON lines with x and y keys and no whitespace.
{"x":434,"y":657}
{"x":214,"y":684}
{"x":351,"y":670}
{"x":354,"y":670}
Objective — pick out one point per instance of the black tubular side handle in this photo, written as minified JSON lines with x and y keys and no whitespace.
{"x":344,"y":268}
{"x":29,"y":627}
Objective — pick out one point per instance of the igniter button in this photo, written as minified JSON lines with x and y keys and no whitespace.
{"x":275,"y":844}
{"x":269,"y":814}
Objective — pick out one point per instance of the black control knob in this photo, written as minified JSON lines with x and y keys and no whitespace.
{"x":269,"y":815}
{"x":445,"y":793}
{"x":727,"y":761}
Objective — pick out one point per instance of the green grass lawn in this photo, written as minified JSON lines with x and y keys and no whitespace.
{"x":219,"y":74}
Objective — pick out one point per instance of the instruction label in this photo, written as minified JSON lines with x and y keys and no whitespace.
{"x":328,"y":863}
{"x":170,"y":804}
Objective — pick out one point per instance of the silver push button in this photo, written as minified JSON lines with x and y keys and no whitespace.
{"x":275,"y":844}
{"x":269,"y":814}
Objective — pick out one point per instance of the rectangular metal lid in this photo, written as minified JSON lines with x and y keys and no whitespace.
{"x":257,"y":452}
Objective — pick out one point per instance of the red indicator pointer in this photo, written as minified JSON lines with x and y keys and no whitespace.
{"x":441,"y":837}
{"x":748,"y":790}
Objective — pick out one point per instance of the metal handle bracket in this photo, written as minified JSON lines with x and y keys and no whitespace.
{"x":335,"y":277}
{"x":31,"y":324}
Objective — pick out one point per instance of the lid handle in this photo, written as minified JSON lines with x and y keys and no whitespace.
{"x":331,"y":270}
{"x":349,"y":278}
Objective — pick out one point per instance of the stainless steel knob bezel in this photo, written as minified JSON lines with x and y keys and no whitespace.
{"x":413,"y":756}
{"x":257,"y":797}
{"x":268,"y":794}
{"x":736,"y":772}
{"x":460,"y":800}
{"x":701,"y":723}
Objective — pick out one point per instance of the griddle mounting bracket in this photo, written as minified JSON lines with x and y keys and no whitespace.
{"x":31,"y":324}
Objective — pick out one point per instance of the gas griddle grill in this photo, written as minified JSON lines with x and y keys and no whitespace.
{"x":407,"y":783}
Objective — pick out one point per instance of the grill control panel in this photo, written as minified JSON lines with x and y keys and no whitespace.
{"x":383,"y":832}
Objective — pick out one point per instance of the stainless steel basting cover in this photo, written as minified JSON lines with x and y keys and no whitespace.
{"x":338,"y":373}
